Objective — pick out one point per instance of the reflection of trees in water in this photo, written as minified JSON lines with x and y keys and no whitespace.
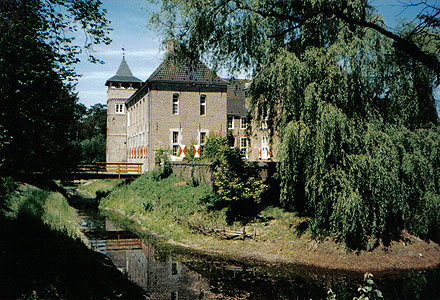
{"x":168,"y":272}
{"x":253,"y":283}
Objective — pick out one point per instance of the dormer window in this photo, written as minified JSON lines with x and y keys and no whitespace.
{"x":175,"y":104}
{"x":119,"y":108}
{"x":202,"y":105}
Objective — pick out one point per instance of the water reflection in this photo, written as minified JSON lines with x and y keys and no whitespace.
{"x":161,"y":279}
{"x":172,"y":273}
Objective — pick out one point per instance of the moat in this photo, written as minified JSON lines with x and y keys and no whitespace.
{"x":166,"y":272}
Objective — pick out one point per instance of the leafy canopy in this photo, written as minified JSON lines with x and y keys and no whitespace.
{"x":36,"y":64}
{"x":351,"y":101}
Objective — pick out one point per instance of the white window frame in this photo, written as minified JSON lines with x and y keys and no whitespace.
{"x":119,"y":108}
{"x":175,"y":143}
{"x":264,"y":147}
{"x":245,"y":148}
{"x":243,"y":123}
{"x":203,"y":104}
{"x":264,"y":142}
{"x":232,"y":123}
{"x":175,"y":104}
{"x":199,"y":139}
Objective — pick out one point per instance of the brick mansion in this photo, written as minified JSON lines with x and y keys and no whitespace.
{"x":177,"y":108}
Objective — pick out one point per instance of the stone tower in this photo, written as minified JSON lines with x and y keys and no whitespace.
{"x":120,"y":88}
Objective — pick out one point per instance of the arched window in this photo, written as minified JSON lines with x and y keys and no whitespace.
{"x":202,"y":105}
{"x":175,"y":104}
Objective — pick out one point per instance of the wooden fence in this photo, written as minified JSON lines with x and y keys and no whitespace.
{"x":110,"y":168}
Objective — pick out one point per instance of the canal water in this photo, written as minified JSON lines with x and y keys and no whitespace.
{"x":166,"y":272}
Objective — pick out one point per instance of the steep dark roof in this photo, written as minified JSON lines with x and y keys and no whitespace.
{"x":184,"y":70}
{"x":123,"y":74}
{"x":236,"y":97}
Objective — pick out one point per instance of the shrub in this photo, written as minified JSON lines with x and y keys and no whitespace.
{"x":237,"y":184}
{"x":163,"y":167}
{"x":214,"y":145}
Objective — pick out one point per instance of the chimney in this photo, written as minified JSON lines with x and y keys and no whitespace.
{"x":170,"y":46}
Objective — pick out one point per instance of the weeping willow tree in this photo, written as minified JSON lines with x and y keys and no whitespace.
{"x":351,"y":101}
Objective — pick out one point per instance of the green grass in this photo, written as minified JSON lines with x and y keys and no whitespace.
{"x":49,"y":207}
{"x":97,"y":187}
{"x":43,"y":255}
{"x":156,"y":203}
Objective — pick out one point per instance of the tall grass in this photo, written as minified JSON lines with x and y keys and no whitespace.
{"x":157,"y":203}
{"x":49,"y":207}
{"x":100,"y":187}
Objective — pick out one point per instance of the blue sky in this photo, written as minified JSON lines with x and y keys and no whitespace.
{"x":143,"y":49}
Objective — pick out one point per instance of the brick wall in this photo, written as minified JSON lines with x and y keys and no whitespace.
{"x":117,"y":124}
{"x":202,"y":172}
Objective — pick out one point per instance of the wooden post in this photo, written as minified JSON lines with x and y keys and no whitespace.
{"x":119,"y":171}
{"x":255,"y":232}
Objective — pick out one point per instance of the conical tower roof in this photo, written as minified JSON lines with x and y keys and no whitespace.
{"x":123,"y":74}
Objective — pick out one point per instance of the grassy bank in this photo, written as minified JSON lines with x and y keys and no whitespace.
{"x":156,"y":204}
{"x":43,"y":254}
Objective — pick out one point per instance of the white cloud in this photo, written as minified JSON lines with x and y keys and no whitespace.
{"x":130,"y":53}
{"x":97,"y":75}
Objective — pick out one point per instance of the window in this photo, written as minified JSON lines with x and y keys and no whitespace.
{"x":119,"y":108}
{"x":175,"y":104}
{"x":243,"y":147}
{"x":231,"y":140}
{"x":243,"y":123}
{"x":202,"y":105}
{"x":202,"y":141}
{"x":230,"y":122}
{"x":264,"y":142}
{"x":174,"y":295}
{"x":174,"y":268}
{"x":175,"y":143}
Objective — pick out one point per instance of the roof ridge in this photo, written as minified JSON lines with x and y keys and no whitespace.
{"x":184,"y":69}
{"x":124,"y":69}
{"x":123,"y":74}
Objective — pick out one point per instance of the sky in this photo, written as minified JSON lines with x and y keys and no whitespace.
{"x":143,"y":47}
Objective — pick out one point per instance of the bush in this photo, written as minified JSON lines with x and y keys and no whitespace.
{"x":237,"y":184}
{"x":7,"y":190}
{"x":163,"y":167}
{"x":214,"y":144}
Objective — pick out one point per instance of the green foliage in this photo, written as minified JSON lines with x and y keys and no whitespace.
{"x":236,"y":180}
{"x":213,"y":146}
{"x":237,"y":184}
{"x":90,"y":138}
{"x":159,"y":201}
{"x":37,"y":205}
{"x":163,"y":167}
{"x":369,"y":290}
{"x":36,"y":65}
{"x":354,"y":109}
